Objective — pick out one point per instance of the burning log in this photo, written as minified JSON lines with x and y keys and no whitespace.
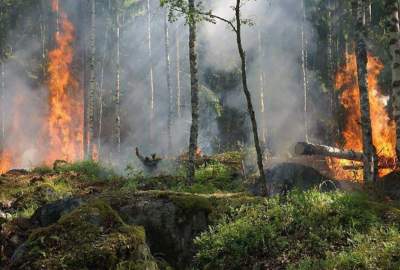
{"x":308,"y":149}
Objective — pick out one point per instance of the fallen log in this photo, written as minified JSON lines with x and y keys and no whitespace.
{"x":309,"y":149}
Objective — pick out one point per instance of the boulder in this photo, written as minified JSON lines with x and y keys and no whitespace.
{"x":171,"y":220}
{"x":52,"y":212}
{"x":92,"y":236}
{"x":287,"y":176}
{"x":391,"y":185}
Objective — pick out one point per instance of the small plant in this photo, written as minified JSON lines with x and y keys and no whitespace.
{"x":91,"y":170}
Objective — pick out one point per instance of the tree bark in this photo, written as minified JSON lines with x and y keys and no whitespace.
{"x":169,"y":87}
{"x":151,"y":72}
{"x":309,"y":149}
{"x":2,"y":94}
{"x":262,"y":90}
{"x":394,"y":40}
{"x":370,"y":158}
{"x":178,"y":74}
{"x":194,"y":82}
{"x":92,"y":80}
{"x":248,"y":96}
{"x":304,"y":71}
{"x":117,"y":124}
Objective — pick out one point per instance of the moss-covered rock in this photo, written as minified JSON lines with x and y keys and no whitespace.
{"x":171,"y":219}
{"x":93,"y":236}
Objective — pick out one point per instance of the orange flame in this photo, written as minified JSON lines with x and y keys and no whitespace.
{"x":383,"y":128}
{"x":65,"y":123}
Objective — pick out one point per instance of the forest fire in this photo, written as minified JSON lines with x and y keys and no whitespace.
{"x":383,"y":129}
{"x":65,"y":123}
{"x":59,"y":132}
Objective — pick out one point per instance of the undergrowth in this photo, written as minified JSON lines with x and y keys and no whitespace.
{"x":310,"y":230}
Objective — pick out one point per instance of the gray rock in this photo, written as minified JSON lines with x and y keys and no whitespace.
{"x":51,"y":213}
{"x":288,"y":176}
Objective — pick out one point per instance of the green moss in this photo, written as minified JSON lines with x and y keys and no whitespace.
{"x":89,"y":170}
{"x":91,"y":237}
{"x":305,"y":231}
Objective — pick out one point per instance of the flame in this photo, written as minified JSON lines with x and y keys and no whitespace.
{"x":383,"y":128}
{"x":65,"y":122}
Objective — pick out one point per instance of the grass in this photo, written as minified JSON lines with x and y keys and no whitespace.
{"x":308,"y":230}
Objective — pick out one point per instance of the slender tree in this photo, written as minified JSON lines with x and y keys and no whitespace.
{"x":262,"y":89}
{"x":178,"y":73}
{"x":392,"y":7}
{"x":194,"y":82}
{"x":117,"y":93}
{"x":304,"y":70}
{"x":92,"y":80}
{"x":151,"y":72}
{"x":168,"y":77}
{"x":370,"y":158}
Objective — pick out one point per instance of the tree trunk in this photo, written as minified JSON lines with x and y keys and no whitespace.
{"x":370,"y":159}
{"x":262,"y":90}
{"x":151,"y":73}
{"x":308,"y":149}
{"x":304,"y":71}
{"x":2,"y":94}
{"x":248,"y":97}
{"x":330,"y":59}
{"x":178,"y":74}
{"x":368,"y":12}
{"x":92,"y":80}
{"x":394,"y":41}
{"x":194,"y":82}
{"x":169,"y":87}
{"x":117,"y":124}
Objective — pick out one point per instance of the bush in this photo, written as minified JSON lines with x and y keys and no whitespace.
{"x":91,"y":170}
{"x":305,"y":231}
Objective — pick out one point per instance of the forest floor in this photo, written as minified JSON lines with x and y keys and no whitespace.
{"x":85,"y":216}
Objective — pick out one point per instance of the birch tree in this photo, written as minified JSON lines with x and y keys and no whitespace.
{"x":392,"y":8}
{"x":370,"y":158}
{"x":92,"y":80}
{"x":168,"y":77}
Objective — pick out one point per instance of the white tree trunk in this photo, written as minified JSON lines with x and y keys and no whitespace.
{"x":262,"y":89}
{"x":178,"y":74}
{"x":92,"y":80}
{"x":304,"y":71}
{"x":169,"y":87}
{"x":117,"y":124}
{"x":151,"y":73}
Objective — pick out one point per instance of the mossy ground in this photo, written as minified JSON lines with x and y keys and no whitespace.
{"x":91,"y":237}
{"x":304,"y":230}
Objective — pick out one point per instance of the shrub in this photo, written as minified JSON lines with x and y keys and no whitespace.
{"x":304,"y":231}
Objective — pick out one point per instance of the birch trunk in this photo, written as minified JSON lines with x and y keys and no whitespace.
{"x":117,"y":124}
{"x":169,"y":87}
{"x":262,"y":90}
{"x":394,"y":41}
{"x":194,"y":82}
{"x":370,"y":159}
{"x":330,"y":59}
{"x":151,"y":73}
{"x":248,"y":97}
{"x":304,"y":71}
{"x":178,"y":74}
{"x":2,"y":94}
{"x":92,"y":81}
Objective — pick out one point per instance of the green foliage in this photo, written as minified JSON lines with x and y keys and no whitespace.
{"x":305,"y":231}
{"x":42,"y":170}
{"x":89,"y":170}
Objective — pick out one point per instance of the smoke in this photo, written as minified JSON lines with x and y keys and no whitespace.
{"x":276,"y":22}
{"x":277,"y":25}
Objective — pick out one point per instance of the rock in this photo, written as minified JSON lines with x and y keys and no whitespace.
{"x":171,"y":221}
{"x":17,"y":172}
{"x":391,"y":185}
{"x":59,"y":164}
{"x":287,"y":176}
{"x":92,"y":236}
{"x":51,"y":213}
